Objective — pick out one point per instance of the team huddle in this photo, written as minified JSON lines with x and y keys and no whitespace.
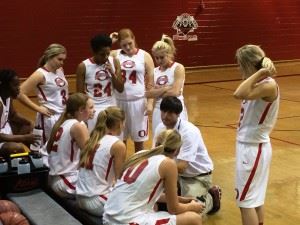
{"x":84,"y":134}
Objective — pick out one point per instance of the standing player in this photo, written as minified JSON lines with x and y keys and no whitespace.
{"x":148,"y":177}
{"x":51,"y":86}
{"x":137,"y":71}
{"x":68,"y":136}
{"x":101,"y":161}
{"x":259,"y":109}
{"x":99,"y":75}
{"x":11,"y":136}
{"x":193,"y":162}
{"x":168,"y":78}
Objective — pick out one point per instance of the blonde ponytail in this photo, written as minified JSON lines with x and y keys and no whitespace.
{"x":168,"y":141}
{"x":166,"y":44}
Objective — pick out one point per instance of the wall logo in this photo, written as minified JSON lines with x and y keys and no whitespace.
{"x":184,"y":24}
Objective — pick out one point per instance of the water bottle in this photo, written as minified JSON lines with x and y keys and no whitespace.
{"x":24,"y":166}
{"x":37,"y":160}
{"x":37,"y":145}
{"x":3,"y":165}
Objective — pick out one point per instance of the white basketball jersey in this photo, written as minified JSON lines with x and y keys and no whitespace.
{"x":99,"y":179}
{"x":5,"y":113}
{"x":163,"y":78}
{"x":257,"y":119}
{"x":54,"y":93}
{"x":98,"y":82}
{"x":65,"y":154}
{"x":133,"y":71}
{"x":136,"y":193}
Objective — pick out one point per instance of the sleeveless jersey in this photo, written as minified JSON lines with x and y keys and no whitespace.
{"x":54,"y":93}
{"x":65,"y":154}
{"x":133,"y":71}
{"x":136,"y":193}
{"x":4,"y":116}
{"x":163,"y":78}
{"x":257,"y":119}
{"x":99,"y":179}
{"x":98,"y":82}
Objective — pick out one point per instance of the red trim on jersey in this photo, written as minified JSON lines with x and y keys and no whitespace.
{"x":154,"y":190}
{"x":264,"y":114}
{"x":67,"y":182}
{"x":109,"y":167}
{"x":44,"y":68}
{"x":43,"y":128}
{"x":103,"y":197}
{"x":250,"y":178}
{"x":72,"y":151}
{"x":92,"y":60}
{"x":162,"y":221}
{"x":42,"y":93}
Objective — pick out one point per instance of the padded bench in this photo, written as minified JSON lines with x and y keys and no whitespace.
{"x":41,"y":209}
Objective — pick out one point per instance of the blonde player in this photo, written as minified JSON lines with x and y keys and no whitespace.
{"x":193,"y":162}
{"x":99,"y":76}
{"x":11,"y":136}
{"x":137,"y":72}
{"x":51,"y":86}
{"x":169,"y":78}
{"x":150,"y":176}
{"x":259,"y":109}
{"x":68,"y":136}
{"x":101,"y":161}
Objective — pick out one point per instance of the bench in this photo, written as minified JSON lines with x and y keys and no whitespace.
{"x":41,"y":209}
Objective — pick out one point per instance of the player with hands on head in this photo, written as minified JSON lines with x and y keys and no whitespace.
{"x":137,"y":72}
{"x":259,"y":93}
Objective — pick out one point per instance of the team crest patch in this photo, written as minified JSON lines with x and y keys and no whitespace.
{"x":128,"y":64}
{"x":184,"y":24}
{"x":101,"y":75}
{"x":162,"y":80}
{"x":59,"y":82}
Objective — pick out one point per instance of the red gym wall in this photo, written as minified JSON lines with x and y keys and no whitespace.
{"x":28,"y":27}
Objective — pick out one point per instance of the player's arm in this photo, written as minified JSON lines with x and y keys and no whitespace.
{"x":250,"y":89}
{"x":118,"y":151}
{"x":176,"y":87}
{"x":149,"y":80}
{"x":116,"y":77}
{"x":80,"y":134}
{"x":168,"y":172}
{"x":28,"y":87}
{"x":182,"y":165}
{"x":18,"y":118}
{"x":80,"y":78}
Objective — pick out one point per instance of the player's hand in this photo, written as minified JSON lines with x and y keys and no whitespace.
{"x":268,"y":64}
{"x":31,"y":138}
{"x":114,"y":37}
{"x":197,"y":206}
{"x":45,"y":111}
{"x":108,"y":67}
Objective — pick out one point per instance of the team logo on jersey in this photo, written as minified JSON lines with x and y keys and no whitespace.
{"x":101,"y":75}
{"x":59,"y":82}
{"x":184,"y":24}
{"x":162,"y":80}
{"x":128,"y":64}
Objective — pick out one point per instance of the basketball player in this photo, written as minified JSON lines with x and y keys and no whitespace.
{"x":21,"y":131}
{"x":193,"y":162}
{"x":68,"y":136}
{"x":147,"y":175}
{"x":169,"y":78}
{"x":137,"y":72}
{"x":99,"y":75}
{"x":51,"y":87}
{"x":259,"y":109}
{"x":101,"y":161}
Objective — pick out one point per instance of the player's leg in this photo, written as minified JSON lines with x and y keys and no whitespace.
{"x":260,"y":213}
{"x":93,"y":205}
{"x":249,"y":216}
{"x":188,"y":218}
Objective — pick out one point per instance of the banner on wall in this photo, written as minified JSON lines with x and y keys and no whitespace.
{"x":185,"y":24}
